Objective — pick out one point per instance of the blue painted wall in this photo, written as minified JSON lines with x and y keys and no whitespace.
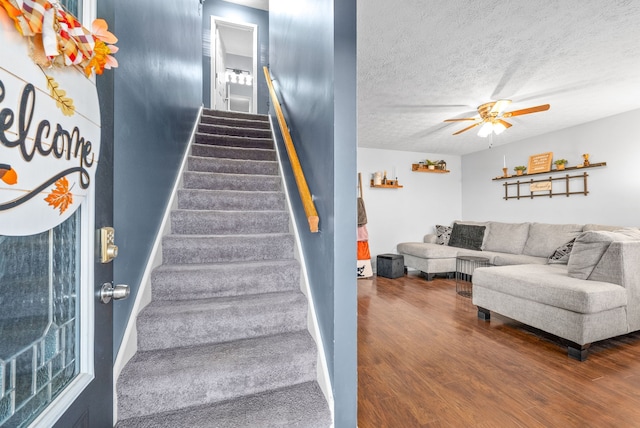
{"x":313,"y":62}
{"x":158,"y":91}
{"x":248,"y":15}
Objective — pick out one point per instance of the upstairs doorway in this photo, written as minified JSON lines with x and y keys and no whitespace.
{"x":234,"y":64}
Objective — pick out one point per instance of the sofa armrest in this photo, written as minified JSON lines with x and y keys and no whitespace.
{"x":429,"y":238}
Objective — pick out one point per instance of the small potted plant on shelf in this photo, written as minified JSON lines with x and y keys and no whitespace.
{"x":431,"y":164}
{"x":520,"y":169}
{"x":560,"y":163}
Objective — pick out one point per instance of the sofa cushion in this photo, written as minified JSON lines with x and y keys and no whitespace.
{"x":443,"y":233}
{"x":589,"y":250}
{"x":506,"y":237}
{"x":505,"y":259}
{"x":467,"y":236}
{"x":544,"y":238}
{"x":562,"y":253}
{"x":427,"y":251}
{"x":550,"y":285}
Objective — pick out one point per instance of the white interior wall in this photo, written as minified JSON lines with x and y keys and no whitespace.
{"x":614,"y":190}
{"x":407,"y":214}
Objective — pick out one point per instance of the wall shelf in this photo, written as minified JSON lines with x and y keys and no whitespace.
{"x":423,"y":168}
{"x":568,"y":168}
{"x":387,"y":186}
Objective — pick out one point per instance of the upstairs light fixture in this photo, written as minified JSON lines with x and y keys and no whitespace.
{"x":241,"y":77}
{"x":492,"y":117}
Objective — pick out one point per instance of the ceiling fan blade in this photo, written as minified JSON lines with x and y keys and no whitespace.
{"x":529,"y":110}
{"x":461,"y":119}
{"x":506,"y":124}
{"x":499,"y":106}
{"x":467,"y":128}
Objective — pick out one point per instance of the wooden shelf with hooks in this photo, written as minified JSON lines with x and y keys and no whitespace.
{"x":568,"y":168}
{"x":524,"y":187}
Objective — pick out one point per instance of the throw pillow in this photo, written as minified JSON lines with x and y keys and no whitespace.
{"x":443,"y":234}
{"x":561,"y":254}
{"x":467,"y":236}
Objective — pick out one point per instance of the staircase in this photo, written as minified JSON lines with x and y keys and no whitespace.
{"x":224,"y":342}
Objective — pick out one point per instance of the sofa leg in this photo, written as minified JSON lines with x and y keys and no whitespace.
{"x":484,"y":314}
{"x":429,"y":276}
{"x":578,"y":352}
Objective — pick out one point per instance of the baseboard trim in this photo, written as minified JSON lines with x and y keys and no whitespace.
{"x":324,"y":381}
{"x":129,"y":345}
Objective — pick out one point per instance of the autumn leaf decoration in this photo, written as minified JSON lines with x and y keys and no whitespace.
{"x":60,"y":197}
{"x":63,"y":102}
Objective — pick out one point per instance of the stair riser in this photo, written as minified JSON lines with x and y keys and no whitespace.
{"x":219,"y":129}
{"x":217,"y":325}
{"x":187,"y":250}
{"x":234,"y":115}
{"x":239,"y":123}
{"x":230,"y":200}
{"x":212,"y":181}
{"x":232,"y":141}
{"x":231,"y":166}
{"x":225,"y":280}
{"x":227,"y":223}
{"x":232,"y":152}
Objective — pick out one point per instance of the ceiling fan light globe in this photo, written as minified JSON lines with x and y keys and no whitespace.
{"x":498,"y":128}
{"x":485,"y":130}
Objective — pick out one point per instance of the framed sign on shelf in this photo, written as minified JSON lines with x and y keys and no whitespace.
{"x":540,"y":163}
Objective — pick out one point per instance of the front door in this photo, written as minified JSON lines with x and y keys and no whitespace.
{"x":55,"y":335}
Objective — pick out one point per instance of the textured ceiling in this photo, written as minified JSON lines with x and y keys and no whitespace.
{"x":257,"y":4}
{"x":420,"y":62}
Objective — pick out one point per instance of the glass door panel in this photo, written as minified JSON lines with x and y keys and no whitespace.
{"x":39,"y":340}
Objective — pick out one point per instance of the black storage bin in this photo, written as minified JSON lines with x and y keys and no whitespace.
{"x":390,"y":265}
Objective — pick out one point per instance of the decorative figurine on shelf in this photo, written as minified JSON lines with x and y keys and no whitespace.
{"x":520,"y":169}
{"x":586,"y":159}
{"x":442,"y":165}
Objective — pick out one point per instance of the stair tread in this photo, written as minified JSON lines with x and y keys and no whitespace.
{"x":174,"y":378}
{"x":217,"y":356}
{"x":248,"y":149}
{"x":298,"y":406}
{"x":232,"y":160}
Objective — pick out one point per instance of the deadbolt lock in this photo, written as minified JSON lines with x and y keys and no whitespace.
{"x":108,"y":248}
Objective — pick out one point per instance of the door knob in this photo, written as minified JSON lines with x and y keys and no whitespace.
{"x":108,"y":292}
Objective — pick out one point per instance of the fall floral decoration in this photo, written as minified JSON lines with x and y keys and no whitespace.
{"x":63,"y":102}
{"x":8,"y":174}
{"x":58,"y":39}
{"x":60,"y":197}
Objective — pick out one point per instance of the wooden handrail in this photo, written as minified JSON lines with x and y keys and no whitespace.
{"x":303,"y":188}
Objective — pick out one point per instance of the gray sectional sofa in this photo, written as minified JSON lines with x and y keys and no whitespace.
{"x":578,"y":282}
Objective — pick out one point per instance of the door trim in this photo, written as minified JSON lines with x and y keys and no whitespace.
{"x":215,"y":20}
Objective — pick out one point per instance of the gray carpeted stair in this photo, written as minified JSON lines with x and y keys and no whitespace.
{"x":224,"y":341}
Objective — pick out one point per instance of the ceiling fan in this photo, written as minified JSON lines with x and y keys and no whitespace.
{"x":492,"y":117}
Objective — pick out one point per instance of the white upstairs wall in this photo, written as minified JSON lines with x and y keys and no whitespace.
{"x":407,"y":214}
{"x":614,"y":190}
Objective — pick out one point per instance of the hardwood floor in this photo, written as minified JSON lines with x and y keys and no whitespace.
{"x":426,"y":360}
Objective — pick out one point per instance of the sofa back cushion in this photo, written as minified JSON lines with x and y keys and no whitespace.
{"x":467,"y":236}
{"x":506,"y":237}
{"x":544,"y":238}
{"x":593,"y":257}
